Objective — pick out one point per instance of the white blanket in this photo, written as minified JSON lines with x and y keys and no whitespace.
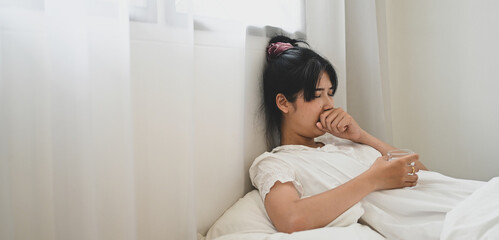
{"x":439,"y":206}
{"x":354,"y":231}
{"x":418,"y":213}
{"x":477,"y":217}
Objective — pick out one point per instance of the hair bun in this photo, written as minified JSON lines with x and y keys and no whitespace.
{"x":276,"y":49}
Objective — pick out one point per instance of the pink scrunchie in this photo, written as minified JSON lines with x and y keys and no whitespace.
{"x":276,"y":49}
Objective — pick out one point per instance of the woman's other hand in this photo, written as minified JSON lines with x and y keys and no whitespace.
{"x":339,"y":123}
{"x":397,"y":173}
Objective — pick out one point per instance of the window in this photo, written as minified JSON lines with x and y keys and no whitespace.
{"x":287,"y":15}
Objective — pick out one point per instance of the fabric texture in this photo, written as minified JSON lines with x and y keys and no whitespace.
{"x":247,"y":215}
{"x":476,"y":217}
{"x":312,"y":170}
{"x":356,"y":231}
{"x":247,"y":219}
{"x":393,"y":213}
{"x":273,"y":171}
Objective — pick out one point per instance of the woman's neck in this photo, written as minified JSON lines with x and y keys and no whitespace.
{"x":288,"y":138}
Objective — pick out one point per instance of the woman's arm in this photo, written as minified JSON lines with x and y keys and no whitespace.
{"x":339,"y":123}
{"x":368,"y":139}
{"x":383,"y":147}
{"x":289,"y":213}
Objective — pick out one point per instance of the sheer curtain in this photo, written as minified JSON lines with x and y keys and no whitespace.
{"x":137,"y":119}
{"x":162,"y":78}
{"x":66,"y":156}
{"x":368,"y":93}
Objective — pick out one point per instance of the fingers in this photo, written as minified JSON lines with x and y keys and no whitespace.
{"x":322,"y":117}
{"x":344,"y":123}
{"x":410,"y":184}
{"x":411,"y":170}
{"x":335,"y":125}
{"x":406,"y":172}
{"x":394,"y":174}
{"x":411,"y":163}
{"x":411,"y":158}
{"x":329,"y":120}
{"x":411,"y":180}
{"x":334,"y":120}
{"x":319,"y":125}
{"x":408,"y":163}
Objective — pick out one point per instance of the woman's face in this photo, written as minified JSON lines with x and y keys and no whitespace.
{"x":303,"y":116}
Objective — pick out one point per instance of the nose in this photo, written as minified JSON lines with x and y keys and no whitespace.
{"x":328,"y":103}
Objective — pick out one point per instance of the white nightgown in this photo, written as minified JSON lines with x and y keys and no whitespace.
{"x":406,"y":213}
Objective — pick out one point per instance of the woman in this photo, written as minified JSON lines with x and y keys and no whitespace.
{"x":307,"y":182}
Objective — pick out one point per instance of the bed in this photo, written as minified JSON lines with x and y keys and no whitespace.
{"x":477,"y":217}
{"x":247,"y":219}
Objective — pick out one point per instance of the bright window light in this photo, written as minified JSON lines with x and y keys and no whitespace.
{"x":288,"y":15}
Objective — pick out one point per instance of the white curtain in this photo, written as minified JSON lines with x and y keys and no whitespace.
{"x":195,"y":81}
{"x":134,"y":120}
{"x":368,"y":93}
{"x":66,"y":149}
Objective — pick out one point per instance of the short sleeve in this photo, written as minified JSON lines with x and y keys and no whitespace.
{"x":266,"y":171}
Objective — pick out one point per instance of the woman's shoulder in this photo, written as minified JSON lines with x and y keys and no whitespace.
{"x":275,"y":159}
{"x":265,"y":157}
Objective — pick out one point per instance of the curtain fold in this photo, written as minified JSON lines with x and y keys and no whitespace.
{"x":129,"y":120}
{"x":162,"y":76}
{"x":368,"y":94}
{"x":66,"y":158}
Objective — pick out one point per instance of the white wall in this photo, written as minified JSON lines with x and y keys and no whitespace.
{"x":443,"y":66}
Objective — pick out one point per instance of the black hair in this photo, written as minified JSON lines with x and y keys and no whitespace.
{"x":294,"y":70}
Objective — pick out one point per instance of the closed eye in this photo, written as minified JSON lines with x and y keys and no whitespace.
{"x":319,"y":90}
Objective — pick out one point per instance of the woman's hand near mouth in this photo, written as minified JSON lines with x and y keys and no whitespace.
{"x":339,"y":123}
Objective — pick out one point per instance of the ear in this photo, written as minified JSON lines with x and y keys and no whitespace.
{"x":282,"y":103}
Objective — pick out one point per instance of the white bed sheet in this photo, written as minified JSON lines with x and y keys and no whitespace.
{"x":417,"y":213}
{"x":477,"y":217}
{"x":470,"y":211}
{"x":355,"y":231}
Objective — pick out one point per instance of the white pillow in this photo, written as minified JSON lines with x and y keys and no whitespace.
{"x":247,"y":215}
{"x":355,"y":231}
{"x":247,"y":219}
